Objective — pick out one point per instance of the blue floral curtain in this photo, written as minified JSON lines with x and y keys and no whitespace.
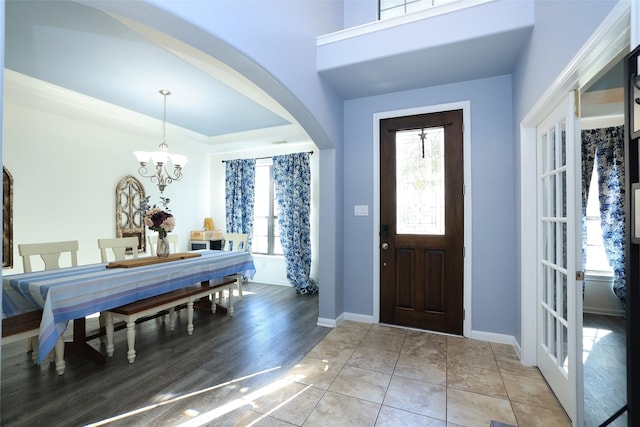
{"x":240,"y":195}
{"x":293,"y":188}
{"x":606,"y":147}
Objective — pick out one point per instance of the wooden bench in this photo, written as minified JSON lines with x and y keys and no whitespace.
{"x":27,"y":326}
{"x":167,"y":301}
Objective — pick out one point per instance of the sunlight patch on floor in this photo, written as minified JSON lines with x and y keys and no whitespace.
{"x":590,"y":337}
{"x":215,"y":413}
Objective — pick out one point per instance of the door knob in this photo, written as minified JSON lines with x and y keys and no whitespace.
{"x":385,"y":246}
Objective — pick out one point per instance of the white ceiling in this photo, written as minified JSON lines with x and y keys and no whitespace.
{"x":87,"y":51}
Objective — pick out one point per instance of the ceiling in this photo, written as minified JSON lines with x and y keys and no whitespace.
{"x":85,"y":50}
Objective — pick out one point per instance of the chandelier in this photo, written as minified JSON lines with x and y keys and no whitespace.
{"x":158,"y":172}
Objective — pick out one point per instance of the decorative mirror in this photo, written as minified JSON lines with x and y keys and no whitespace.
{"x":129,"y":216}
{"x":7,"y":219}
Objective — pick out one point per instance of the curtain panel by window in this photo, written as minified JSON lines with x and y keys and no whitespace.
{"x":240,"y":195}
{"x":293,"y":191}
{"x":606,"y":147}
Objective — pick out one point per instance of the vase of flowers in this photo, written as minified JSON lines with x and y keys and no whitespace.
{"x":163,"y":222}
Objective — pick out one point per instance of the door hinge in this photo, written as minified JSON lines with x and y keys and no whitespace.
{"x":464,"y":252}
{"x":463,"y":189}
{"x":579,"y":276}
{"x":464,"y":314}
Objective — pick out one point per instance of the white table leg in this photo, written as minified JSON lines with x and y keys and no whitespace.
{"x":59,"y":349}
{"x":131,"y":341}
{"x":190,"y":316}
{"x":108,"y":326}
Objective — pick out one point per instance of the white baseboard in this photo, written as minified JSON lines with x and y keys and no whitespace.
{"x":605,"y":312}
{"x":362,"y":318}
{"x":492,"y":337}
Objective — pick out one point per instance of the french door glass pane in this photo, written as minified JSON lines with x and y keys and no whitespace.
{"x":420,"y":181}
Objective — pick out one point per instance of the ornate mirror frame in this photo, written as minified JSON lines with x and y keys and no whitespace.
{"x":129,"y":215}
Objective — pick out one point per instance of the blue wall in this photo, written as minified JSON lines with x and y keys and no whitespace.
{"x":492,"y":171}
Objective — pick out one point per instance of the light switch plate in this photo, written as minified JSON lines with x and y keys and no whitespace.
{"x":361,"y":210}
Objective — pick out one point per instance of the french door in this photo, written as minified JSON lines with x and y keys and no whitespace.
{"x":559,"y":279}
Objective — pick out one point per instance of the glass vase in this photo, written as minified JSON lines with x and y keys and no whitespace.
{"x":162,"y":250}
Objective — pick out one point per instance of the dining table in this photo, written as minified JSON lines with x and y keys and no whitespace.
{"x":73,"y":293}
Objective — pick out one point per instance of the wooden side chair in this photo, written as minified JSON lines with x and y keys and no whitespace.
{"x":171,"y":237}
{"x":236,"y":242}
{"x":50,"y":253}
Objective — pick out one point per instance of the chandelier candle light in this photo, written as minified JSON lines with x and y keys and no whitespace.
{"x":161,"y":175}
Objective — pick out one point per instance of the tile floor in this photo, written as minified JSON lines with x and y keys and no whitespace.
{"x":374,"y":375}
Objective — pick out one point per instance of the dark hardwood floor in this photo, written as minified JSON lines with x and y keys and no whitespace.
{"x":605,"y":369}
{"x":272,"y":328}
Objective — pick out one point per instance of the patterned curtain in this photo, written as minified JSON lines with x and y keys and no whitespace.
{"x":293,"y":187}
{"x":240,"y":195}
{"x":606,"y":147}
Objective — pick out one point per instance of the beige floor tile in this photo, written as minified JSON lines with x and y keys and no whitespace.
{"x":530,"y":391}
{"x":392,"y":417}
{"x":417,"y":368}
{"x":510,"y":364}
{"x":333,"y":351}
{"x":316,"y":372}
{"x":375,"y":360}
{"x":425,"y":345}
{"x":503,"y":349}
{"x":388,"y":341}
{"x":472,"y":409}
{"x":456,"y":341}
{"x":242,"y":418}
{"x":361,"y":383}
{"x":417,"y":396}
{"x":354,"y":324}
{"x":337,"y":410}
{"x":291,"y":403}
{"x":476,"y":380}
{"x":535,"y":416}
{"x":389,"y":329}
{"x":477,"y":356}
{"x":346,"y":335}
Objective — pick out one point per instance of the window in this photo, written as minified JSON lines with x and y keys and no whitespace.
{"x":266,"y":231}
{"x":393,"y":8}
{"x":597,"y":262}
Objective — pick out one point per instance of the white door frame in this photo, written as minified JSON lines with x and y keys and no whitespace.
{"x":465,"y":106}
{"x":604,"y":46}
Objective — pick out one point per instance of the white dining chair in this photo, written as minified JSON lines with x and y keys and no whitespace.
{"x":50,"y":253}
{"x":236,"y":242}
{"x":118,"y":246}
{"x":171,"y":237}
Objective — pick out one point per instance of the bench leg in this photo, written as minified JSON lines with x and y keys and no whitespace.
{"x":213,"y":301}
{"x":230,"y":300}
{"x":190,"y":316}
{"x":131,"y":340}
{"x":172,"y":318}
{"x":59,"y":350}
{"x":108,"y":325}
{"x":33,"y":343}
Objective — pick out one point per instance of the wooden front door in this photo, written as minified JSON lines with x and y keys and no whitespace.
{"x":422,"y":221}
